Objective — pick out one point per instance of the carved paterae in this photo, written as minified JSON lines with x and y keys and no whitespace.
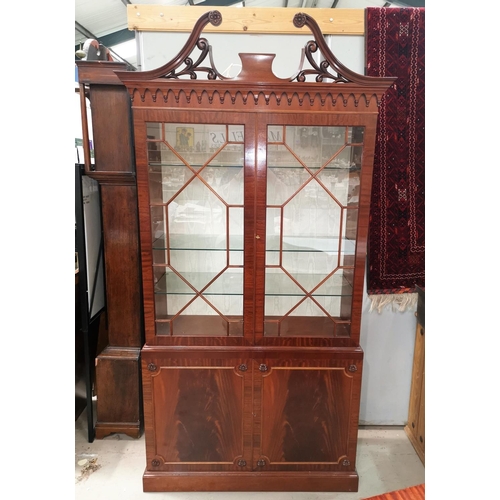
{"x":299,"y":20}
{"x":214,"y":16}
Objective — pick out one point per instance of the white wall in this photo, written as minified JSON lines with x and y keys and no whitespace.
{"x":386,"y":338}
{"x":158,"y":48}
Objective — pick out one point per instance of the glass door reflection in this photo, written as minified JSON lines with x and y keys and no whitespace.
{"x":313,"y":178}
{"x":196,"y":187}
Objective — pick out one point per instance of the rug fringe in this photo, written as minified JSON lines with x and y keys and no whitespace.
{"x":397,"y":302}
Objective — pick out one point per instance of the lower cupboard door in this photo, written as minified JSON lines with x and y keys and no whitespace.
{"x":197,"y":414}
{"x":308,"y":415}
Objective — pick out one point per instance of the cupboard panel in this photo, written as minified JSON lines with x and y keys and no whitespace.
{"x":305,"y":412}
{"x":198,"y":414}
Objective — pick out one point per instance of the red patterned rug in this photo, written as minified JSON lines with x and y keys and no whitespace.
{"x":395,"y":40}
{"x":412,"y":493}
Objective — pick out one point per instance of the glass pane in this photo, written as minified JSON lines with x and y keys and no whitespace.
{"x":351,"y":227}
{"x":197,"y":210}
{"x":155,"y":184}
{"x":196,"y":195}
{"x":235,"y":236}
{"x":158,"y":232}
{"x":173,"y":179}
{"x":340,"y":180}
{"x":284,"y":181}
{"x":275,"y":133}
{"x":199,"y":319}
{"x":311,"y":222}
{"x":273,"y":236}
{"x":224,"y":174}
{"x":278,"y":283}
{"x":306,"y":143}
{"x":153,"y":131}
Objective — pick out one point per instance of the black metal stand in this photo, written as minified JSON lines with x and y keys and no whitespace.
{"x":89,"y":323}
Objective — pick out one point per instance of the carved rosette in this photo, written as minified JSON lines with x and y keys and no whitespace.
{"x":299,"y":20}
{"x":215,"y":17}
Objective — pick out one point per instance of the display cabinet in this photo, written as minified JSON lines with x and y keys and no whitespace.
{"x":253,"y":198}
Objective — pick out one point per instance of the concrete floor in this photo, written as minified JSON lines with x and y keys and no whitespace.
{"x":386,"y":462}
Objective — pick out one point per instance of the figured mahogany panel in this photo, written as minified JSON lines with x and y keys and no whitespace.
{"x":307,"y":413}
{"x":197,"y":414}
{"x":118,"y":392}
{"x":121,"y":254}
{"x":111,"y":128}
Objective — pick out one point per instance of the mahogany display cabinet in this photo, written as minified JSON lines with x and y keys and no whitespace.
{"x":253,"y":196}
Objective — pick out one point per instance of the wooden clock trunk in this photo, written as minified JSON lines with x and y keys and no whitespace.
{"x":253,"y":196}
{"x":117,"y":373}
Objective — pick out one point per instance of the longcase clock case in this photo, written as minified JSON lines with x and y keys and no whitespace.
{"x":253,"y":198}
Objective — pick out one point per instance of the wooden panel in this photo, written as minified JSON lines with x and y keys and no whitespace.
{"x":256,"y":481}
{"x":415,"y":428}
{"x":247,"y":20}
{"x":118,"y":392}
{"x":99,"y":72}
{"x":417,"y":376}
{"x":421,"y":420}
{"x":307,"y":416}
{"x":121,"y":253}
{"x":197,"y":414}
{"x":111,"y":128}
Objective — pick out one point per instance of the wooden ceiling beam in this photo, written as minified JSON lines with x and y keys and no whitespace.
{"x":267,"y":20}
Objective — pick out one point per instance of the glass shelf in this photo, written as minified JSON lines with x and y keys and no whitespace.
{"x":290,"y":244}
{"x":314,"y":167}
{"x":195,"y":165}
{"x":327,"y":245}
{"x":280,"y":284}
{"x":231,"y":283}
{"x":199,"y":242}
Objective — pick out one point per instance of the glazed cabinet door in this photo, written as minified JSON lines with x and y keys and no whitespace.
{"x":195,"y":174}
{"x":311,"y":192}
{"x":307,"y":414}
{"x":197,"y":413}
